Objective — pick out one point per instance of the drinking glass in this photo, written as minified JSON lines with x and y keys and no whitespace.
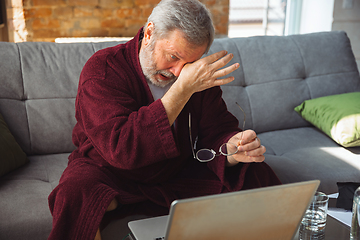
{"x":314,"y":222}
{"x":355,"y":222}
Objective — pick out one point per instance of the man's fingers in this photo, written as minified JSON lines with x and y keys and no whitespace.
{"x":254,"y":144}
{"x":250,"y":148}
{"x":223,"y":72}
{"x":247,"y":137}
{"x":208,"y":72}
{"x":215,"y":57}
{"x":222,"y":61}
{"x":256,"y":151}
{"x":223,"y":81}
{"x":257,"y":159}
{"x":218,"y":60}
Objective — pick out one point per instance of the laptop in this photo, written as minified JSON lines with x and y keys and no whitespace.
{"x":263,"y":213}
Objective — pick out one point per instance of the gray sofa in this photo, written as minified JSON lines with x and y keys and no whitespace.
{"x":38,"y":85}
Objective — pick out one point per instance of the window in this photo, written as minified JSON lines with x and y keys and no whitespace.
{"x":257,"y":17}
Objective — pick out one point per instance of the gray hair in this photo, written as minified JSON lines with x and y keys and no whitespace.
{"x":189,"y":16}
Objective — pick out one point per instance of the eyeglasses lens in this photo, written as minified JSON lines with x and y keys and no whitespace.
{"x":205,"y":155}
{"x":228,"y":149}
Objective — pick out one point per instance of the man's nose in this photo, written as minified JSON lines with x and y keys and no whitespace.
{"x":176,"y":69}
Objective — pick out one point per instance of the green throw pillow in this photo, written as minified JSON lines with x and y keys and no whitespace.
{"x":338,"y":116}
{"x":11,"y":155}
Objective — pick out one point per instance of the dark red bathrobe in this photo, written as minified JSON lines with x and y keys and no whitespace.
{"x":127,"y":149}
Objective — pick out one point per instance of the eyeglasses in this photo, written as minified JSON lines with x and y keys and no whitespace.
{"x":226,"y":149}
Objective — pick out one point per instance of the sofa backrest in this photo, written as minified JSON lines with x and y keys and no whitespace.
{"x":38,"y":89}
{"x":278,"y":73}
{"x":38,"y":83}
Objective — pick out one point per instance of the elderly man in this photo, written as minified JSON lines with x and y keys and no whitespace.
{"x":134,"y":105}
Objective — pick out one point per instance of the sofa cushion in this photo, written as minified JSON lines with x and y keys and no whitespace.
{"x":338,"y":116}
{"x":11,"y":155}
{"x":302,"y":154}
{"x":24,"y":197}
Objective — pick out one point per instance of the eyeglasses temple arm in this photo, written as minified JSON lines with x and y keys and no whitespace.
{"x":191,"y":142}
{"x":243,"y":128}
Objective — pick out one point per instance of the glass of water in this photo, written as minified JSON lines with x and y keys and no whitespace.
{"x":313,"y":224}
{"x":355,"y":222}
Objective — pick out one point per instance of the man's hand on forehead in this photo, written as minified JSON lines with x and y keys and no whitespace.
{"x":206,"y":72}
{"x":194,"y":77}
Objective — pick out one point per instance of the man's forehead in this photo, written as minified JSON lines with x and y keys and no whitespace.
{"x":182,"y":48}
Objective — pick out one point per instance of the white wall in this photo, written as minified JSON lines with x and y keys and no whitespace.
{"x":307,"y":16}
{"x":316,"y":16}
{"x":347,"y":18}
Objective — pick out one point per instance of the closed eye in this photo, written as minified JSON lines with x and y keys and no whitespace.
{"x":173,"y":57}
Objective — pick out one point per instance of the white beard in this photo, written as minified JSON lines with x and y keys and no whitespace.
{"x":149,"y":68}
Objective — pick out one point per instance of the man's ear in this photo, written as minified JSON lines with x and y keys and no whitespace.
{"x":148,"y":32}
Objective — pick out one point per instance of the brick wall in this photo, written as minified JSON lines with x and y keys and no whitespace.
{"x":45,"y":20}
